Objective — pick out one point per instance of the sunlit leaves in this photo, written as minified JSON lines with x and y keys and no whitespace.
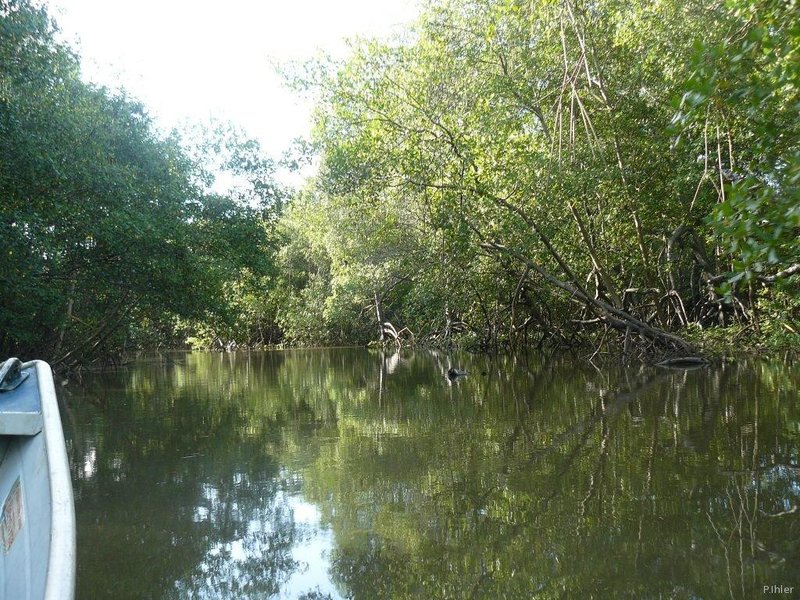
{"x":748,"y":86}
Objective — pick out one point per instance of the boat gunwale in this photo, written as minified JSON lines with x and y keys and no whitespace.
{"x":60,"y":581}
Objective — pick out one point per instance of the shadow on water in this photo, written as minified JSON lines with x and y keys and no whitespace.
{"x":350,"y":473}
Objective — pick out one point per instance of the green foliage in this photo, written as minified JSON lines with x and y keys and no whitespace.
{"x":550,"y":127}
{"x":106,"y":227}
{"x":309,"y":311}
{"x":477,"y":177}
{"x":748,"y":85}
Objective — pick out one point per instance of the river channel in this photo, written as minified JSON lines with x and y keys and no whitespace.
{"x":352,"y":473}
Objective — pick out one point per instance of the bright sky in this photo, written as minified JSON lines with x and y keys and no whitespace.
{"x":194,"y":59}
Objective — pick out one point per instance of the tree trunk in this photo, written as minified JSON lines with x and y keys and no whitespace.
{"x":379,"y":315}
{"x":616,"y":318}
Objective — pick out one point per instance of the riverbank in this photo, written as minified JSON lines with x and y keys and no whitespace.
{"x":769,"y":339}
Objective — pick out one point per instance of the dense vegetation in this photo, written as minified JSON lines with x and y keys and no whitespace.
{"x":111,"y":235}
{"x":554,"y":170}
{"x":620,"y":174}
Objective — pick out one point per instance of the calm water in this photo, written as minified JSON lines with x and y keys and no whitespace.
{"x":355,"y":474}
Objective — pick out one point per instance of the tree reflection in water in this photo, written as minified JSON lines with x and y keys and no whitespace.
{"x":349,"y":473}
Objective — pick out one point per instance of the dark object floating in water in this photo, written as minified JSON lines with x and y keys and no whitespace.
{"x":685,"y":362}
{"x":453,"y":373}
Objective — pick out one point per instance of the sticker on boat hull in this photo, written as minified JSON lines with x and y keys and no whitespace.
{"x":11,"y":522}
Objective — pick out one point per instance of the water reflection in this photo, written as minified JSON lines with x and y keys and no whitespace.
{"x":357,"y":474}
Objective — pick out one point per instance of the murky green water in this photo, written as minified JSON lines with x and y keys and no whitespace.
{"x":352,"y":474}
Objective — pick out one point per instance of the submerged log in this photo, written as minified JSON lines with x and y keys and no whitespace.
{"x":684,"y":362}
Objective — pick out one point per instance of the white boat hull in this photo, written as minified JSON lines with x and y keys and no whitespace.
{"x":37,"y":516}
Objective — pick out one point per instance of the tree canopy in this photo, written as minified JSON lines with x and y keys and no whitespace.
{"x":506,"y":173}
{"x":525,"y":169}
{"x":109,"y":229}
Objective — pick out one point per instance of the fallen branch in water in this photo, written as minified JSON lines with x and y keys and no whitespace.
{"x":684,"y":362}
{"x":612,"y":316}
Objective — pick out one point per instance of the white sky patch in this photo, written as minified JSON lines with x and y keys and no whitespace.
{"x":196,"y":59}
